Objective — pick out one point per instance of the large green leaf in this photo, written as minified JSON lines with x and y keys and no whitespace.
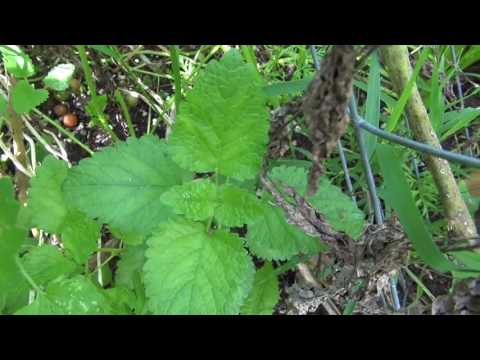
{"x":16,"y":62}
{"x":50,"y":212}
{"x":201,"y":199}
{"x":223,"y":125}
{"x":46,"y":263}
{"x":339,"y":210}
{"x":191,"y":272}
{"x":122,"y":185}
{"x":271,"y":237}
{"x":25,"y":97}
{"x":398,"y":195}
{"x":11,"y":238}
{"x":131,"y":261}
{"x":45,"y":194}
{"x":265,"y":293}
{"x":75,"y":296}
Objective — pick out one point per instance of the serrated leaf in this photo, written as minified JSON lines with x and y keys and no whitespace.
{"x":131,"y":261}
{"x":75,"y":296}
{"x":339,"y":210}
{"x":80,"y":235}
{"x":125,"y":193}
{"x":46,"y":263}
{"x":25,"y":97}
{"x":11,"y":238}
{"x":223,"y":125}
{"x":16,"y":61}
{"x":45,"y":193}
{"x":265,"y":293}
{"x":272,"y":238}
{"x":201,"y":199}
{"x":59,"y":76}
{"x":196,"y":199}
{"x":188,"y":271}
{"x":237,"y":206}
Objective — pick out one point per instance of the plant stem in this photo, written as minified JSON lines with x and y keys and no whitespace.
{"x":126,"y":113}
{"x":87,"y":70}
{"x":460,"y":222}
{"x":174,"y":55}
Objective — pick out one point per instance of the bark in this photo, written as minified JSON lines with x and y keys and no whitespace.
{"x":460,"y":222}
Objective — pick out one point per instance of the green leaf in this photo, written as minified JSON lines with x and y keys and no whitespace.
{"x":46,"y":263}
{"x":26,"y":98}
{"x":131,"y":261}
{"x":407,"y":92}
{"x":272,"y":238}
{"x":265,"y":293}
{"x":471,"y":260}
{"x":201,"y":199}
{"x":196,"y":199}
{"x":398,"y":195}
{"x":223,"y":125}
{"x":16,"y":61}
{"x":45,"y":193}
{"x":291,"y":87}
{"x":59,"y":76}
{"x":456,"y":120}
{"x":339,"y":210}
{"x":471,"y":56}
{"x":191,"y":272}
{"x":75,"y":296}
{"x":107,"y":50}
{"x":236,"y":206}
{"x":96,"y":105}
{"x":80,"y":235}
{"x":125,"y":193}
{"x":11,"y":238}
{"x":373,"y":102}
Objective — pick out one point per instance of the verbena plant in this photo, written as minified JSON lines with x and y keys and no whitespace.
{"x":178,"y":206}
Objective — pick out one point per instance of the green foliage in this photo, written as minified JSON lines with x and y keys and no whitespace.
{"x":272,"y":238}
{"x":46,"y":263}
{"x":189,"y":271}
{"x":131,"y":263}
{"x":3,"y":105}
{"x":265,"y":293}
{"x":74,"y":296}
{"x":25,"y":97}
{"x":223,"y":125}
{"x":59,"y":76}
{"x":125,"y":193}
{"x":11,"y":238}
{"x":16,"y":62}
{"x":201,"y":199}
{"x":338,"y":209}
{"x":79,"y":233}
{"x":373,"y":102}
{"x":397,"y":194}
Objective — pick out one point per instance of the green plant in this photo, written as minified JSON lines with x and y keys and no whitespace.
{"x":178,"y":207}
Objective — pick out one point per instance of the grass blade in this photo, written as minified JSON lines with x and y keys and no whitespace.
{"x":373,"y":102}
{"x":407,"y":92}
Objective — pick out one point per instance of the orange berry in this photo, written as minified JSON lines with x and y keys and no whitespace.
{"x":70,"y":120}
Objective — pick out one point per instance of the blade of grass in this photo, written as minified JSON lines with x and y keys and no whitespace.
{"x":436,"y":102}
{"x":373,"y":102}
{"x":407,"y":92}
{"x":397,"y":193}
{"x":126,"y":113}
